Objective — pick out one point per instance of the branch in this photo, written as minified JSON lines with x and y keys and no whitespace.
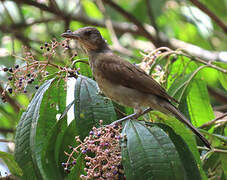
{"x":209,"y":64}
{"x":9,"y":177}
{"x":150,"y":14}
{"x":213,"y":150}
{"x":133,"y":19}
{"x":109,"y":25}
{"x":213,"y":121}
{"x":6,"y":141}
{"x":218,"y":94}
{"x":215,"y":18}
{"x":6,"y":130}
{"x":43,"y":7}
{"x":123,"y":27}
{"x":198,"y":51}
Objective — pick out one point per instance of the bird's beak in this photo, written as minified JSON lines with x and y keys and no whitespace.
{"x":70,"y":34}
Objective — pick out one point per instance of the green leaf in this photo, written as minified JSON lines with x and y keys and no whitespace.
{"x":84,"y":69}
{"x":148,"y":153}
{"x":90,"y":107}
{"x":223,"y":157}
{"x":35,"y":127}
{"x":215,"y":164}
{"x":222,"y":76}
{"x":183,"y":131}
{"x":24,"y":139}
{"x":198,"y":103}
{"x":53,"y":104}
{"x":91,"y":9}
{"x":179,"y":86}
{"x":212,"y":161}
{"x":186,"y":156}
{"x":51,"y":151}
{"x":11,"y":163}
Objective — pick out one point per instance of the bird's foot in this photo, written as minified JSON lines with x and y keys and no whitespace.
{"x":131,"y":116}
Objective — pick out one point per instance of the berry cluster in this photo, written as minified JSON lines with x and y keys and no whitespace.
{"x":102,"y":153}
{"x":19,"y":77}
{"x":34,"y":71}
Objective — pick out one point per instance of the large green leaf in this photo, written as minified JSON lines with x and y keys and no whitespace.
{"x":90,"y":107}
{"x":24,"y":155}
{"x":53,"y":104}
{"x":180,"y":129}
{"x":84,"y":69}
{"x":33,"y":131}
{"x":148,"y":153}
{"x":223,"y":157}
{"x":198,"y":103}
{"x":186,"y":156}
{"x":197,"y":98}
{"x":91,"y":9}
{"x":11,"y":163}
{"x":51,"y":151}
{"x":222,"y":76}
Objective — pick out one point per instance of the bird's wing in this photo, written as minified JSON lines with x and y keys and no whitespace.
{"x":122,"y":72}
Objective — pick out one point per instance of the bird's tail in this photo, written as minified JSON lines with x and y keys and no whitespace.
{"x":183,"y":119}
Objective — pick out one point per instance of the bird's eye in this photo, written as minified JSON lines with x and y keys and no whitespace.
{"x":87,"y":33}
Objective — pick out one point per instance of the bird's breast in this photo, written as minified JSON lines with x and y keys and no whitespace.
{"x":118,"y":93}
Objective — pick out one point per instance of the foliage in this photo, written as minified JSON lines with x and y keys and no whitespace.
{"x":37,"y":80}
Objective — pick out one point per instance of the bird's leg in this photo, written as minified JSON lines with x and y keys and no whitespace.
{"x":132,"y":116}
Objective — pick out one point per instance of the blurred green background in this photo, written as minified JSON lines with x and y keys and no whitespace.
{"x":174,"y":24}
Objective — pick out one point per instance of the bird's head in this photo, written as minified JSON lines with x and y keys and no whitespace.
{"x":88,"y":37}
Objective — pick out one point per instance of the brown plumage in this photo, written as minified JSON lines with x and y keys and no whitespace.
{"x":124,"y":82}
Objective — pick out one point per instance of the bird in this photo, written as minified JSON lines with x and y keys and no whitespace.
{"x":124,"y":82}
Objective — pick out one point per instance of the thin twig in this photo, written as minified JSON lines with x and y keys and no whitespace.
{"x":180,"y":52}
{"x":204,"y":62}
{"x":215,"y":18}
{"x":6,"y":141}
{"x":132,"y":116}
{"x":6,"y":130}
{"x":212,"y":150}
{"x":213,"y":121}
{"x":116,"y":44}
{"x":123,"y":27}
{"x":150,"y":14}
